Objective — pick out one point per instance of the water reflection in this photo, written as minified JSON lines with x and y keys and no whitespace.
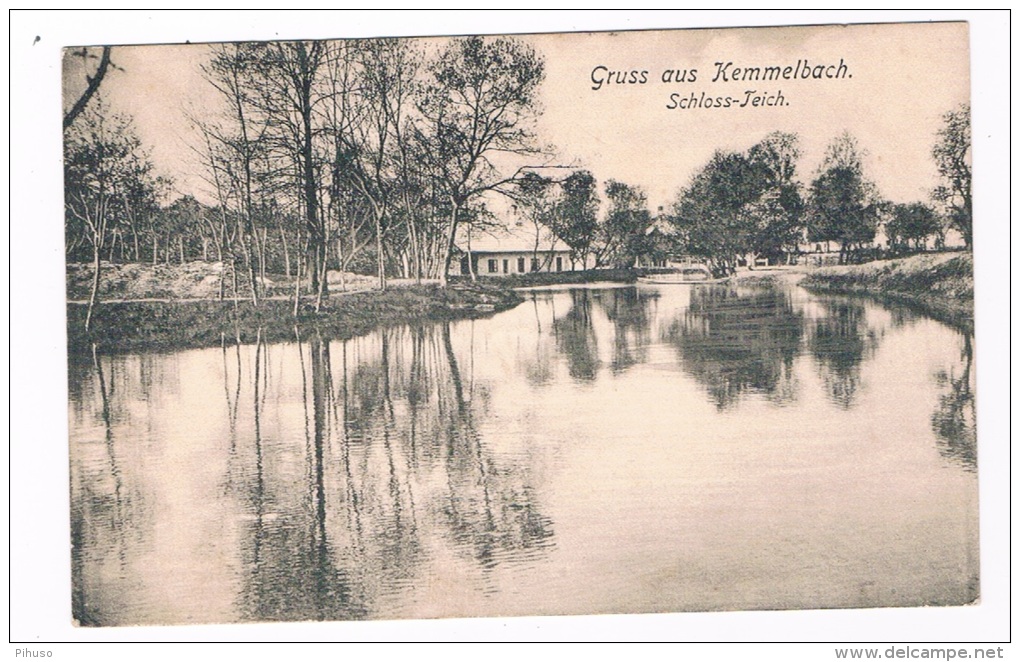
{"x":955,"y":419}
{"x":621,"y":317}
{"x":736,"y":340}
{"x":100,"y":495}
{"x":576,"y":339}
{"x":840,"y":340}
{"x":393,"y":449}
{"x":536,"y":360}
{"x":526,"y":463}
{"x":629,"y":309}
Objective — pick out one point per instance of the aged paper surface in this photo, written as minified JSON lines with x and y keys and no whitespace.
{"x":543,"y":443}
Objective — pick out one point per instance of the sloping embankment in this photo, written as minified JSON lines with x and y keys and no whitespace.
{"x":942,"y":283}
{"x":166,"y":325}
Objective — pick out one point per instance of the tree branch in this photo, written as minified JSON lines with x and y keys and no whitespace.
{"x":94,"y":81}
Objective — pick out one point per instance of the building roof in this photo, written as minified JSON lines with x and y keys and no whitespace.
{"x":512,"y":238}
{"x":661,"y":225}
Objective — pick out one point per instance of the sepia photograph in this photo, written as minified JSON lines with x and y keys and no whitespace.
{"x":534,"y":323}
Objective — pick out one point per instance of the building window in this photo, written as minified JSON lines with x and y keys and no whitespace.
{"x":492,"y":267}
{"x":534,"y":264}
{"x":520,"y":265}
{"x":506,"y":266}
{"x":559,"y":263}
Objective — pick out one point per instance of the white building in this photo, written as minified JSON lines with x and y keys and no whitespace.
{"x":513,"y":249}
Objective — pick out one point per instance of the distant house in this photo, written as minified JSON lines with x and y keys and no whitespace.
{"x":658,"y":245}
{"x":659,"y":248}
{"x":514,"y":249}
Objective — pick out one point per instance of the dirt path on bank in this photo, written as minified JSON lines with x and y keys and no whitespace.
{"x":276,"y":297}
{"x":197,"y":281}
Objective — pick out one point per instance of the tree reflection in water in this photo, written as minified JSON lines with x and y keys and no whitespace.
{"x":735,"y":340}
{"x":382,"y":477}
{"x":287,"y":570}
{"x":840,"y":341}
{"x":578,"y":334}
{"x":955,"y":419}
{"x":490,"y":506}
{"x":99,"y":512}
{"x":575,"y":337}
{"x":628,"y":309}
{"x":394,"y":466}
{"x":536,"y":365}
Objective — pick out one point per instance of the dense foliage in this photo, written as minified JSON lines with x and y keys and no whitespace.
{"x":742,"y":206}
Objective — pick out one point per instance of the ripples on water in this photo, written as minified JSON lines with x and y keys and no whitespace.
{"x":593,"y":450}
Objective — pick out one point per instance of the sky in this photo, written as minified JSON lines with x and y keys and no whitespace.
{"x":904,"y":77}
{"x":897,"y":82}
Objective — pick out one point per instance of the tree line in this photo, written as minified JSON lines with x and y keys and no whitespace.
{"x":375,"y":155}
{"x":326,"y":155}
{"x":742,"y":206}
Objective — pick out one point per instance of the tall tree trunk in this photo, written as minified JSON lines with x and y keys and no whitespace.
{"x":297,"y":287}
{"x":450,"y":239}
{"x":233,"y":276}
{"x":286,"y":252}
{"x":380,"y":254}
{"x":249,"y":263}
{"x":471,"y":257}
{"x":412,"y":233}
{"x":223,"y":265}
{"x":97,"y":246}
{"x":322,"y":280}
{"x":344,"y":261}
{"x":316,"y":234}
{"x":262,"y":259}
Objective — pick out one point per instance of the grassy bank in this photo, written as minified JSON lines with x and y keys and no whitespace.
{"x":164,"y":307}
{"x":164,"y":325}
{"x":942,"y":284}
{"x":191,"y":280}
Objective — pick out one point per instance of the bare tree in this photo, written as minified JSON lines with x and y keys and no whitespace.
{"x":537,"y":201}
{"x":235,"y":152}
{"x":478,"y":109}
{"x":387,"y":74}
{"x":290,"y":79}
{"x":345,"y":210}
{"x":93,"y":81}
{"x":103,"y":160}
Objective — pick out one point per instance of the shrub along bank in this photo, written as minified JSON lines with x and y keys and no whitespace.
{"x":942,"y":283}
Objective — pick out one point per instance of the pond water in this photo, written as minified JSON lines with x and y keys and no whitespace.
{"x":593,"y":450}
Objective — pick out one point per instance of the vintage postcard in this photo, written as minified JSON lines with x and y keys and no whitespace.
{"x":521,"y":325}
